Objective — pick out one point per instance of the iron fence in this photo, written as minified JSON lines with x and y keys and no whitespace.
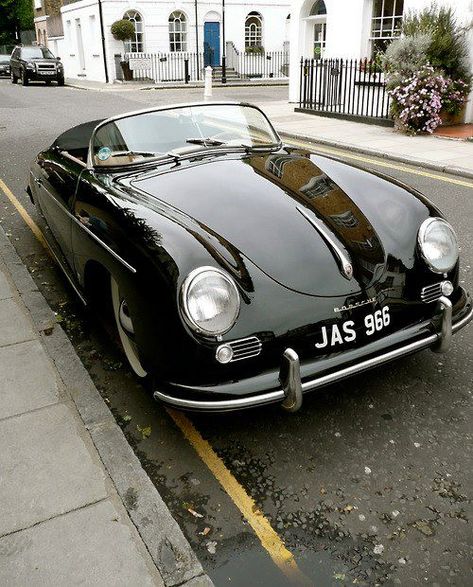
{"x":182,"y":66}
{"x":265,"y":65}
{"x":188,"y":67}
{"x":345,"y":88}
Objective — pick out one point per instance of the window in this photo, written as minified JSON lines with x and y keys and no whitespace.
{"x":345,"y":219}
{"x":275,"y":164}
{"x":318,"y":187}
{"x":177,"y":31}
{"x":386,"y":22}
{"x":38,"y":4}
{"x":318,"y":8}
{"x":253,"y":30}
{"x":36,"y":53}
{"x":135,"y":45}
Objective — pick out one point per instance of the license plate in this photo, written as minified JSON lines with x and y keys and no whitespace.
{"x":343,"y":332}
{"x":46,"y":72}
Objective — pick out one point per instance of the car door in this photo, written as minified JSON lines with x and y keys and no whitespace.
{"x":56,"y":187}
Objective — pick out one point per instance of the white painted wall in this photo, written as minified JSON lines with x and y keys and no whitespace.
{"x":87,"y":13}
{"x":348,"y":32}
{"x":156,"y":32}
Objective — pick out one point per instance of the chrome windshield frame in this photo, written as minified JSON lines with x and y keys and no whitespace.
{"x":91,"y":166}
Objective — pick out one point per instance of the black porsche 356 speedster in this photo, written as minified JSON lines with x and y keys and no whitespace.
{"x":240,"y":271}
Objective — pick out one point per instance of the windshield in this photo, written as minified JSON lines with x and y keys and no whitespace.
{"x":181,"y":130}
{"x":36,"y":53}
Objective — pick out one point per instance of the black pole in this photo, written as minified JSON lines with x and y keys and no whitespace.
{"x":103,"y":41}
{"x":197,"y":39}
{"x":224,"y":56}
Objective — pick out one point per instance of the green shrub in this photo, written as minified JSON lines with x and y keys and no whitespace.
{"x":448,"y":49}
{"x":405,"y":56}
{"x":254,"y":49}
{"x":123,"y":30}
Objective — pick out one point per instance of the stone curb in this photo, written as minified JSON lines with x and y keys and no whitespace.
{"x":459,"y":171}
{"x":128,"y":88}
{"x":167,"y":545}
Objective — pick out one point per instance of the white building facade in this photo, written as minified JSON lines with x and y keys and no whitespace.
{"x":355,"y":29}
{"x":167,"y":27}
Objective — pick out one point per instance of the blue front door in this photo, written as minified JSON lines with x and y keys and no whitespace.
{"x":211,"y":44}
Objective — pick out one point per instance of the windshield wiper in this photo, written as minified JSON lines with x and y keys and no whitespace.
{"x":132,"y":153}
{"x":208,"y":142}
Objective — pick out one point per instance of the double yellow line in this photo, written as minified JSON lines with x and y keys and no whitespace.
{"x":269,"y":539}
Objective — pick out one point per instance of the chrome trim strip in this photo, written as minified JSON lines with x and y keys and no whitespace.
{"x":463,"y":322}
{"x":279,"y":395}
{"x":104,"y":245}
{"x":68,"y":277}
{"x":290,"y":377}
{"x":95,"y":237}
{"x":232,"y":404}
{"x":344,"y":262}
{"x":445,"y":307}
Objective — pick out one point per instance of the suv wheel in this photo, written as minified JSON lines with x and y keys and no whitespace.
{"x":23,"y":78}
{"x":60,"y":81}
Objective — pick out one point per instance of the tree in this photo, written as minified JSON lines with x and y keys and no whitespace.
{"x":123,"y":30}
{"x":15,"y":16}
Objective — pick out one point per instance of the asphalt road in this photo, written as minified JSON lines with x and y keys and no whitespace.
{"x":370,"y":483}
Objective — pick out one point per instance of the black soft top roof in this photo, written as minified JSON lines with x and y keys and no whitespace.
{"x":77,"y":137}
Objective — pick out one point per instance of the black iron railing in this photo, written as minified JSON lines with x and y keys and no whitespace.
{"x":345,"y":88}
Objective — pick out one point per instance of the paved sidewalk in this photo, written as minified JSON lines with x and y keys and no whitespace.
{"x":434,"y":152}
{"x":75,"y":505}
{"x":83,"y":84}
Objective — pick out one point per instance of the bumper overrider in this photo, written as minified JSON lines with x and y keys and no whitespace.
{"x":295,"y":378}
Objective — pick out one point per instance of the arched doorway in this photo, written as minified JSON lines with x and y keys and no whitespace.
{"x":316,"y":28}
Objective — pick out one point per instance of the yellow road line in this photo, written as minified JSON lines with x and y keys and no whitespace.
{"x":405,"y":168}
{"x":24,"y":214}
{"x":268,"y":537}
{"x":263,"y":529}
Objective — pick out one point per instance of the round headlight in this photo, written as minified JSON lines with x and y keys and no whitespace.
{"x":210,"y":301}
{"x":438,"y":245}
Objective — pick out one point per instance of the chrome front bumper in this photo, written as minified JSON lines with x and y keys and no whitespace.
{"x":292,"y":387}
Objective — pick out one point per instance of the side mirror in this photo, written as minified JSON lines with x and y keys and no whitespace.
{"x":58,"y":59}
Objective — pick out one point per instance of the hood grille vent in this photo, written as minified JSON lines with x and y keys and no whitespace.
{"x":245,"y":348}
{"x":431,"y":293}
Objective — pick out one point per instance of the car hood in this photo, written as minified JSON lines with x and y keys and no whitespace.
{"x":285,"y":213}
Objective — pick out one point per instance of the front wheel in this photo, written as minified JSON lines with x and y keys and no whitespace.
{"x":125,"y":329}
{"x":60,"y":81}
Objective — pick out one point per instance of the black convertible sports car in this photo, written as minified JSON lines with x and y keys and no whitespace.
{"x":240,"y":271}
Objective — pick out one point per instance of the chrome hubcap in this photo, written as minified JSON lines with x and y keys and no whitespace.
{"x":125,"y":319}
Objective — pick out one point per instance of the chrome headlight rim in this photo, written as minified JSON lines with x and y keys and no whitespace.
{"x":185,"y":288}
{"x":424,"y":227}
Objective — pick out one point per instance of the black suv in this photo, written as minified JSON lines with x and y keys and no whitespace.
{"x":35,"y":63}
